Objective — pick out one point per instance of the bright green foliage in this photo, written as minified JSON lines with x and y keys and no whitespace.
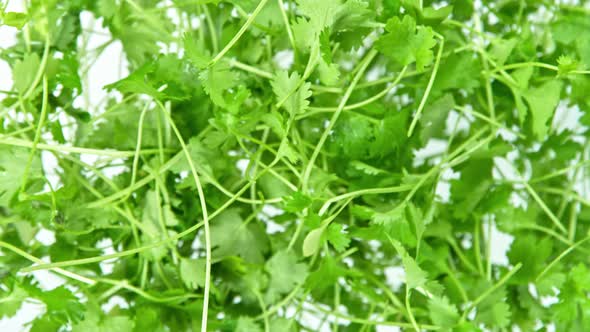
{"x":442,"y":312}
{"x":252,"y":165}
{"x":287,"y":88}
{"x":405,"y":43}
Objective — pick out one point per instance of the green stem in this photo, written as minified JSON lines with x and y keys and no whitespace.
{"x":238,"y":35}
{"x":204,"y":214}
{"x":428,"y":87}
{"x":328,"y":130}
{"x":492,"y":289}
{"x":41,"y":69}
{"x":40,"y":126}
{"x":57,"y":270}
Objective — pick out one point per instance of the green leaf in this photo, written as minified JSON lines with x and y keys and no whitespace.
{"x":24,"y":71}
{"x":395,"y":224}
{"x":326,"y":275}
{"x":337,"y":237}
{"x":320,"y":13}
{"x":13,"y":19}
{"x":313,"y":241}
{"x":285,"y":273}
{"x":415,"y":276}
{"x":531,"y":264}
{"x":12,"y":171}
{"x":406,"y":43}
{"x":566,"y":64}
{"x":501,"y":49}
{"x":434,"y":118}
{"x":231,"y":236}
{"x":288,"y":89}
{"x":192,"y":272}
{"x":543,"y":101}
{"x":442,"y":312}
{"x":247,"y":324}
{"x":11,"y":302}
{"x":297,"y":202}
{"x":195,"y":53}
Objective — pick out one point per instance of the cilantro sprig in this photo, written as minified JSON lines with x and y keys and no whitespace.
{"x":269,"y":165}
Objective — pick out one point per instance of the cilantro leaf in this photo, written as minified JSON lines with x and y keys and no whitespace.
{"x":442,"y":312}
{"x":285,"y":273}
{"x":337,"y":237}
{"x":406,"y":43}
{"x":231,"y":236}
{"x":12,"y":301}
{"x":543,"y":101}
{"x":286,"y":87}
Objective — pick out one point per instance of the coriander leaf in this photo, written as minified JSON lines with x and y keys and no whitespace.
{"x":434,"y":118}
{"x":12,"y":171}
{"x":321,"y":13}
{"x":246,"y":324}
{"x":337,"y":238}
{"x":218,"y":82}
{"x":231,"y":236}
{"x":566,"y":64}
{"x":297,"y":202}
{"x":395,"y":224}
{"x":496,"y":315}
{"x":531,"y":264}
{"x":14,"y":19}
{"x":415,"y":276}
{"x":326,"y":275}
{"x":458,"y":71}
{"x":406,"y":43}
{"x":12,"y":301}
{"x":442,"y":312}
{"x":194,"y":53}
{"x":542,"y":101}
{"x":285,"y":273}
{"x":501,"y":49}
{"x":288,"y":88}
{"x":24,"y":71}
{"x":313,"y":241}
{"x":192,"y":272}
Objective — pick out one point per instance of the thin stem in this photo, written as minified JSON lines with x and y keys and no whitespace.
{"x":41,"y":69}
{"x":212,"y":32}
{"x":251,"y":69}
{"x":315,"y":110}
{"x":428,"y":87}
{"x":238,"y":35}
{"x":288,"y":26}
{"x":138,"y":145}
{"x":492,"y":289}
{"x":328,"y":130}
{"x":373,"y":322}
{"x":544,"y":207}
{"x":526,"y":64}
{"x":38,"y":261}
{"x":561,"y":256}
{"x":40,"y":126}
{"x":4,"y":140}
{"x":410,"y":313}
{"x":204,"y":214}
{"x":362,"y":192}
{"x":488,"y":84}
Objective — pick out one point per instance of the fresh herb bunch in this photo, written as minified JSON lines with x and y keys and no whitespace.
{"x":278,"y":159}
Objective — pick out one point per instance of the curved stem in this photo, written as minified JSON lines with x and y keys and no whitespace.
{"x":240,"y":33}
{"x":327,"y":131}
{"x":428,"y":88}
{"x":41,"y":68}
{"x":37,"y":136}
{"x":204,"y":214}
